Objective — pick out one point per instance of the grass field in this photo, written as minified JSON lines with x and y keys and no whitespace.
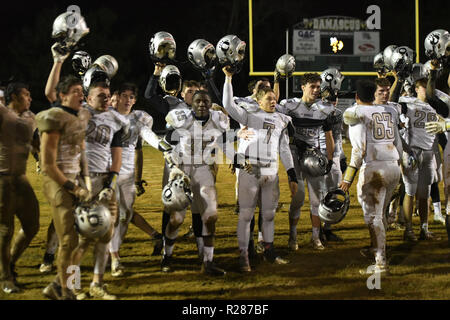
{"x":419,"y":271}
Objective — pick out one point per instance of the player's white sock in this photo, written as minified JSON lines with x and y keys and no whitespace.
{"x":437,"y":209}
{"x":200,"y":245}
{"x":425,"y":227}
{"x":315,"y":233}
{"x":168,"y":249}
{"x":208,"y":253}
{"x":260,"y":236}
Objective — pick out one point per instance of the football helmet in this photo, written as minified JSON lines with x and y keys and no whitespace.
{"x":176,"y":194}
{"x":162,"y":47}
{"x":378,"y":64}
{"x":331,"y":80}
{"x":81,"y":61}
{"x":387,"y":53}
{"x":230,"y":51}
{"x":202,"y":55}
{"x":94,"y":74}
{"x":313,"y":162}
{"x":437,"y":44}
{"x":68,"y":29}
{"x":334,"y":206}
{"x":108,"y":64}
{"x":285,"y":65}
{"x":170,"y":79}
{"x":402,"y":60}
{"x":92,"y":220}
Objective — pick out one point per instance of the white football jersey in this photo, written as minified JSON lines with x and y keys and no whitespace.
{"x":307,"y":120}
{"x":418,"y":113}
{"x":198,"y":141}
{"x":249,"y":104}
{"x":99,"y":134}
{"x":138,"y":120}
{"x":373,"y":133}
{"x":175,"y":103}
{"x":336,"y":121}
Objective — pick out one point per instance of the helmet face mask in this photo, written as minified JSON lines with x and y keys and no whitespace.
{"x":176,"y":195}
{"x":437,"y":44}
{"x":331,"y":83}
{"x":92,"y":220}
{"x":81,"y":61}
{"x":202,"y":55}
{"x":402,"y":60}
{"x":334,"y":206}
{"x":230,"y":51}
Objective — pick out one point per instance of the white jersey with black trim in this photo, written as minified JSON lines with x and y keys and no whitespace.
{"x":99,"y":134}
{"x":198,"y":140}
{"x":175,"y":103}
{"x":270,"y":139}
{"x":140,"y":122}
{"x":418,"y":113}
{"x":373,"y":133}
{"x":307,"y":120}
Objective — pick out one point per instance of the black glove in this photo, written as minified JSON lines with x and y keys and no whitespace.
{"x":329,"y":165}
{"x":140,"y":187}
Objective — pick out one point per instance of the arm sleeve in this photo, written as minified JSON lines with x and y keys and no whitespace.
{"x":150,"y":137}
{"x":357,"y":135}
{"x":396,"y":92}
{"x":156,"y":101}
{"x":431,"y":85}
{"x":439,"y":105}
{"x":238,"y":114}
{"x":285,"y":151}
{"x":117,"y":139}
{"x":152,"y":87}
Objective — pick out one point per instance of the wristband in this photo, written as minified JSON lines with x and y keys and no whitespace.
{"x":111,"y":180}
{"x":349,"y":175}
{"x":69,"y":185}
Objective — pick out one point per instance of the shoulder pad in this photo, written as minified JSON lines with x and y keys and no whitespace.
{"x":143,"y":118}
{"x":285,"y":118}
{"x":351,"y":116}
{"x":175,"y":102}
{"x":247,"y":103}
{"x":220,"y":119}
{"x":324,"y":107}
{"x":289,"y":101}
{"x":179,"y":118}
{"x":120,"y":118}
{"x":52,"y":119}
{"x":84,"y":114}
{"x":406,"y":99}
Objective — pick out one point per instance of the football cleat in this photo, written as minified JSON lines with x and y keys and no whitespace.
{"x":409,"y":235}
{"x":439,"y":218}
{"x":46,"y":268}
{"x":244,"y":263}
{"x":271,"y":256}
{"x":376,"y":268}
{"x":52,"y":291}
{"x":260,"y":247}
{"x":330,"y":236}
{"x":210,"y":268}
{"x":292,"y":244}
{"x":166,"y":263}
{"x":9,"y":287}
{"x":79,"y":294}
{"x":428,"y":235}
{"x":317,"y":244}
{"x":117,"y":269}
{"x":100,"y":291}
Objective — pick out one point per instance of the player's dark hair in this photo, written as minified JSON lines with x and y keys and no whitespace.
{"x":14,"y":88}
{"x":365,"y":89}
{"x":99,"y":84}
{"x":201,"y":92}
{"x":382,"y":82}
{"x":421,"y":83}
{"x":190,"y":83}
{"x":252,"y":84}
{"x":128,"y":86}
{"x":262,"y":92}
{"x":66,"y":83}
{"x":310,"y":78}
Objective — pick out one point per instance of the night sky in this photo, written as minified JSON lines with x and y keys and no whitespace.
{"x":124,"y":29}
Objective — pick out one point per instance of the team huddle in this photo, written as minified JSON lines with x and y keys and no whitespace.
{"x":88,"y":147}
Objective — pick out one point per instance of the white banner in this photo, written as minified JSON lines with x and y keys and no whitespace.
{"x":366,"y":43}
{"x":306,"y":42}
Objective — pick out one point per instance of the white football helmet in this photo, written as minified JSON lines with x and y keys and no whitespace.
{"x":170,"y":79}
{"x":313,"y":162}
{"x":437,"y":44}
{"x":92,"y":221}
{"x":334,"y":206}
{"x":177,"y":195}
{"x":94,"y":74}
{"x":81,"y":61}
{"x":402,"y":60}
{"x":108,"y":64}
{"x":331,"y":79}
{"x":162,"y":47}
{"x":378,"y":64}
{"x":68,"y":29}
{"x":285,"y":65}
{"x":202,"y":55}
{"x":231,"y":51}
{"x":387,"y":53}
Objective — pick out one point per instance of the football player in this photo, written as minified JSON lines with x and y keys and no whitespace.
{"x":418,"y":179}
{"x":104,"y":136}
{"x":17,"y":128}
{"x":127,"y":183}
{"x":197,"y":132}
{"x":62,"y":129}
{"x":308,"y":115}
{"x":261,"y":183}
{"x":376,"y":149}
{"x":164,"y":104}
